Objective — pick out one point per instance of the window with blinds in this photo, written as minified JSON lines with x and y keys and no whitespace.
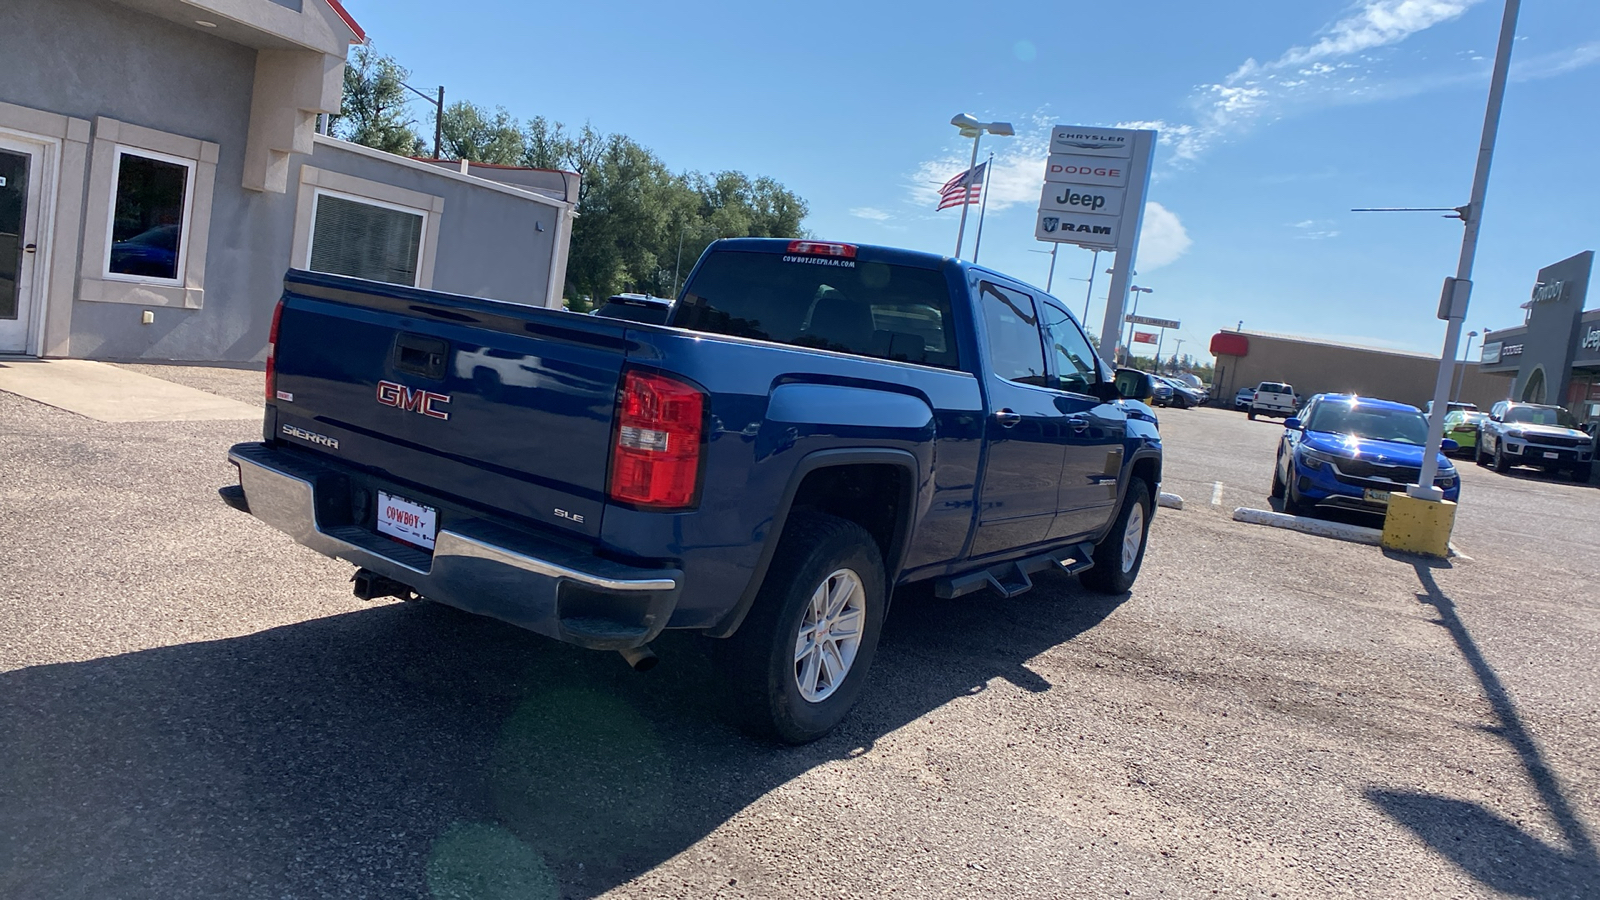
{"x":364,"y":240}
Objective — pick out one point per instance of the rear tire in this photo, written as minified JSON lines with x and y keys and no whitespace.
{"x":1251,"y":413}
{"x":826,"y":579}
{"x":1120,"y":554}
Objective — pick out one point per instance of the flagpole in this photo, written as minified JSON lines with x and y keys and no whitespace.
{"x":961,"y":232}
{"x":982,"y":207}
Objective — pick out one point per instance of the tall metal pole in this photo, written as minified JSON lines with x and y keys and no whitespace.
{"x":1089,"y":292}
{"x":961,"y":232}
{"x":1462,"y":378}
{"x":679,"y":264}
{"x":1051,"y":278}
{"x":1473,"y":218}
{"x":438,"y":125}
{"x":977,"y":245}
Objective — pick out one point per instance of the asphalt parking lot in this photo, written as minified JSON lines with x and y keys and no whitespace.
{"x":194,"y":706}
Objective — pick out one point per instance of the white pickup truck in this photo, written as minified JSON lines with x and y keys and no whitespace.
{"x":1273,"y":398}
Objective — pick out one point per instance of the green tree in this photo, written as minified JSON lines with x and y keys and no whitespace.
{"x":474,"y":133}
{"x":373,"y":111}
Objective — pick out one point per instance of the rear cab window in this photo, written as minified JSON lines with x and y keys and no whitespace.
{"x":888,"y":311}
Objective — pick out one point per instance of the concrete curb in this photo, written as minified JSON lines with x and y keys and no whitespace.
{"x":1170,"y":501}
{"x":1356,"y":534}
{"x":1340,"y":531}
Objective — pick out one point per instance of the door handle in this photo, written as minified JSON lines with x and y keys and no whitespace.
{"x":30,"y":248}
{"x":1007,"y":418}
{"x":1078,"y":423}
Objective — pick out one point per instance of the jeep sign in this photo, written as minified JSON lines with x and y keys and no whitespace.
{"x":1074,"y":198}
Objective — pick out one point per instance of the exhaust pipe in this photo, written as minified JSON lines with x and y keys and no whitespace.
{"x":640,"y":659}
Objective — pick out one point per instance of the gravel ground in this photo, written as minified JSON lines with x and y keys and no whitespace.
{"x":193,"y":706}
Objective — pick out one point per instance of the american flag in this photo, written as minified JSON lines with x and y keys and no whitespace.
{"x":968,"y":183}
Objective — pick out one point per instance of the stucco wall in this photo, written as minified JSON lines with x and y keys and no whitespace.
{"x":1322,"y":368}
{"x":89,"y":58}
{"x":490,"y":244}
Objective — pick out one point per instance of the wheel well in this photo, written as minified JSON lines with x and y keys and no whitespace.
{"x":1150,"y":471}
{"x":874,"y":496}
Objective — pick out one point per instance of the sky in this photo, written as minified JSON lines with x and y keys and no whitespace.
{"x":1275,"y":120}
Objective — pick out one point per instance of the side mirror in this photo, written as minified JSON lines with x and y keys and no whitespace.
{"x":1448,"y":446}
{"x":1293,"y":424}
{"x":1133,"y":384}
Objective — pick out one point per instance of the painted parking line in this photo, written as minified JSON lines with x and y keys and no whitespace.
{"x":1216,"y":493}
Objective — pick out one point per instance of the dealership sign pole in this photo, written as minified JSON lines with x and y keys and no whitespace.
{"x":1094,"y":188}
{"x":1457,"y":290}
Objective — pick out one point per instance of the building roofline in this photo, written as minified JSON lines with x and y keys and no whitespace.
{"x":349,"y":20}
{"x":443,"y":172}
{"x":1326,"y":342}
{"x":454,"y":162}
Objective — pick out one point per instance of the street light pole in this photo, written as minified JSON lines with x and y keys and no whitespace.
{"x":1472,"y":219}
{"x":1462,"y":378}
{"x":1127,"y":345}
{"x":972,"y":128}
{"x":1051,"y":278}
{"x":438,"y":115}
{"x":1089,"y":292}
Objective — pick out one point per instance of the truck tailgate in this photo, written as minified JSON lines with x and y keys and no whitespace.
{"x":500,"y":407}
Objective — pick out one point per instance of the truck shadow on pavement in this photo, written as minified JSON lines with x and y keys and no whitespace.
{"x":1491,"y":848}
{"x":413,"y":751}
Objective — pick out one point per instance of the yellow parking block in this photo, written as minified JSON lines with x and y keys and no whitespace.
{"x":1419,"y":526}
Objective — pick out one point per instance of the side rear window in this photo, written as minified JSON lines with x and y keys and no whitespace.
{"x":1015,"y":351}
{"x":893,"y":312}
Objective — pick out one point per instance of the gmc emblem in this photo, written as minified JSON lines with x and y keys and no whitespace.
{"x":418,"y":401}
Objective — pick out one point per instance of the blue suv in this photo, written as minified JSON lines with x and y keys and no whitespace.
{"x":1350,"y":452}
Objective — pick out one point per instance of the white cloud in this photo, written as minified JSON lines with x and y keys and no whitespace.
{"x":1017,"y":175}
{"x":871,"y":213}
{"x":1334,"y":68}
{"x":1162,"y":238}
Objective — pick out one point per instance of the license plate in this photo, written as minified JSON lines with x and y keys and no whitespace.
{"x":1375,"y":495}
{"x":408,"y":521}
{"x":1552,"y":456}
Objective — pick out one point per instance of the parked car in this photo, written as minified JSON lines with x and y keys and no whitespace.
{"x":1533,"y":434}
{"x":1461,"y":426}
{"x":1183,"y":394}
{"x":635,"y":308}
{"x":821,"y":424}
{"x":1160,"y":391}
{"x":1242,"y":399}
{"x":1350,"y":452}
{"x":1452,"y":406}
{"x":1274,"y":398}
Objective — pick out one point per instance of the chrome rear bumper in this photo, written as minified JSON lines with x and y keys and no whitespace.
{"x":479,"y":566}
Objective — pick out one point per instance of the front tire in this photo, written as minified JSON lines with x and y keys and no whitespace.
{"x":1251,"y":413}
{"x":1120,"y":554}
{"x":799,"y":660}
{"x":1277,"y":479}
{"x":1500,"y":462}
{"x":1583,"y":473}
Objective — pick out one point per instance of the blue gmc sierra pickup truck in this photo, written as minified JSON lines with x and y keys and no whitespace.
{"x":816,"y":425}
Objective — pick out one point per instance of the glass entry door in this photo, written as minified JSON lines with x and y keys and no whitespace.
{"x":19,"y":218}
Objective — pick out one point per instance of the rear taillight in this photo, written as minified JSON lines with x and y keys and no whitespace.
{"x":823,"y":248}
{"x":659,"y":433}
{"x":272,"y":353}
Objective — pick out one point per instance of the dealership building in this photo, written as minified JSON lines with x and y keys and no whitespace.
{"x":161,"y":167}
{"x":1315,"y":366}
{"x":1554,"y":355}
